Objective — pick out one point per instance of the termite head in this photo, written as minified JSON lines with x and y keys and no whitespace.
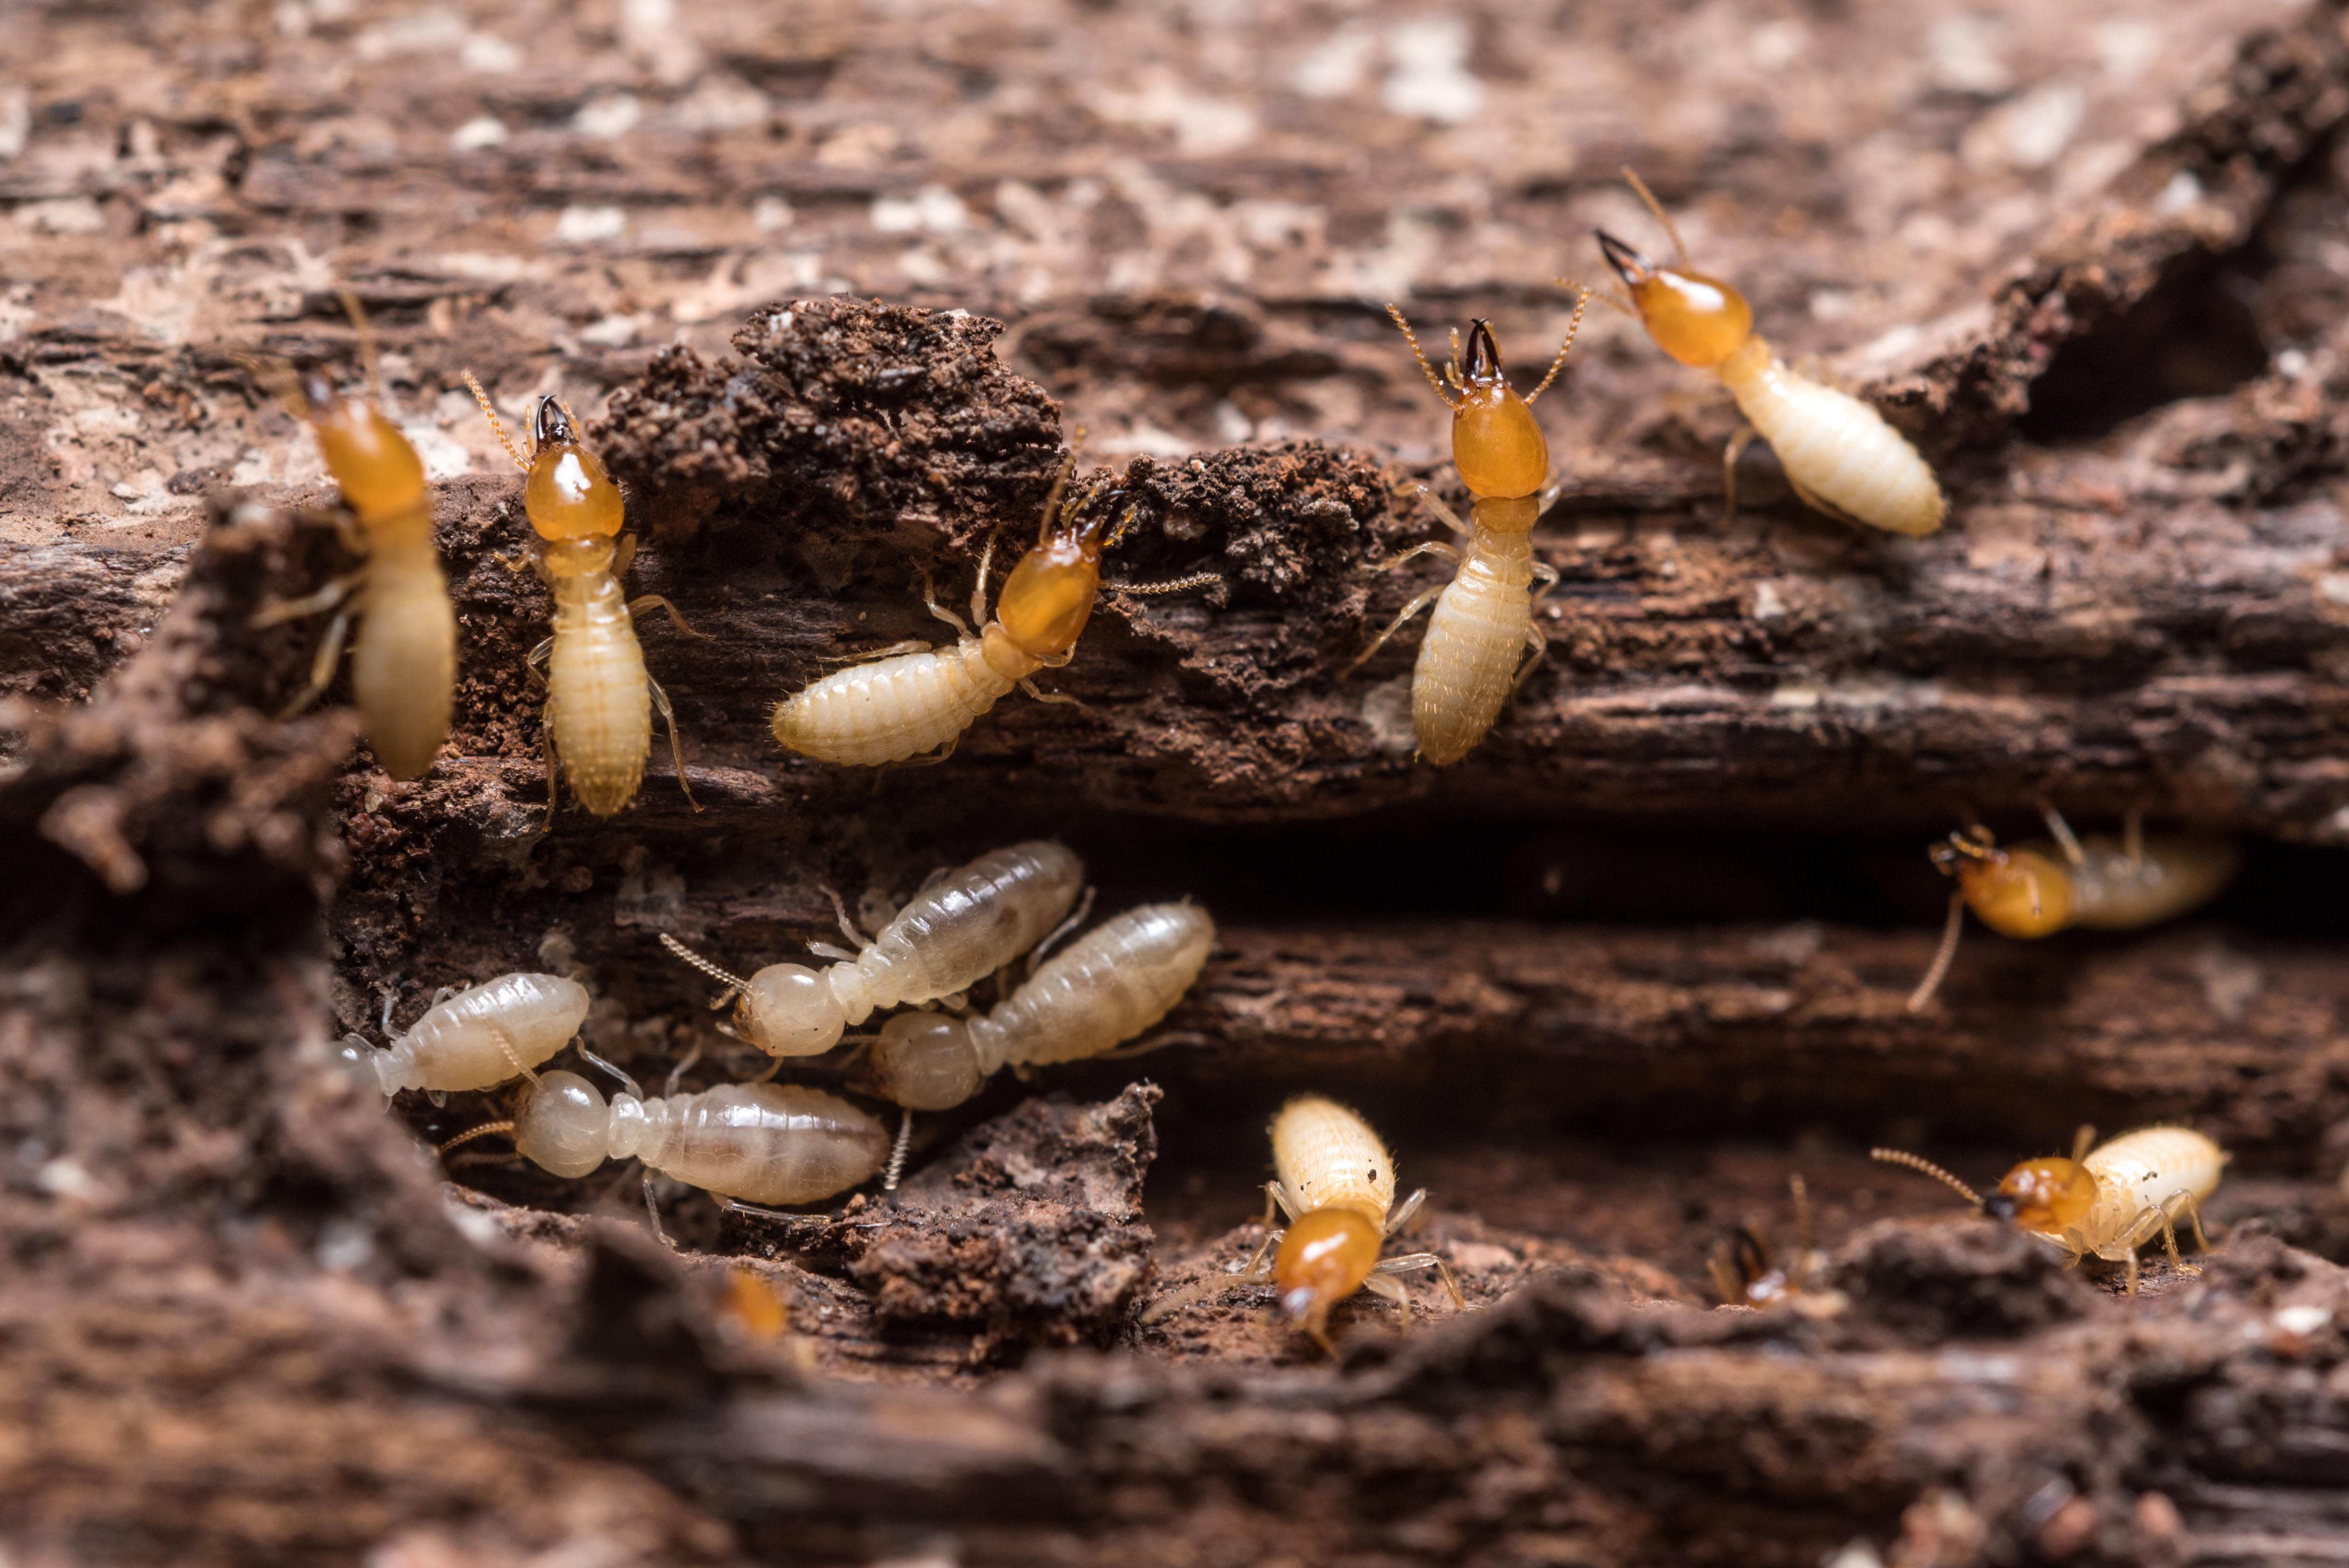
{"x":562,"y":1124}
{"x":1696,"y":319}
{"x":925,"y":1062}
{"x":788,"y":1010}
{"x":2015,"y":892}
{"x":2051,"y":1194}
{"x":568,"y":494}
{"x":374,"y":465}
{"x":1496,"y":443}
{"x":1049,"y":596}
{"x":1324,"y":1258}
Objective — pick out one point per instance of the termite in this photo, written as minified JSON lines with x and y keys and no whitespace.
{"x":2104,"y":1204}
{"x":954,"y":933}
{"x":1840,"y":455}
{"x":2046,"y":885}
{"x":1468,"y":660}
{"x":1746,"y":1272}
{"x":404,"y":663}
{"x":911,"y":698}
{"x":477,"y":1039}
{"x":598,"y":720}
{"x":1112,"y":983}
{"x":746,"y":1144}
{"x":1336,"y":1183}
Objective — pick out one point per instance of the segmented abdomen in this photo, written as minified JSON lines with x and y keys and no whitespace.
{"x":1834,"y":447}
{"x":2177,"y":874}
{"x":456,"y":1043}
{"x":403,"y":661}
{"x":1328,"y":1158}
{"x":897,"y":707}
{"x":598,"y":704}
{"x":763,"y":1142}
{"x":1108,"y":986}
{"x":971,"y":923}
{"x":1475,"y":640}
{"x":2142,"y":1168}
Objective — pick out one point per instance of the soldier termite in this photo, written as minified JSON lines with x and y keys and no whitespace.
{"x":1111,"y":985}
{"x":956,"y":932}
{"x":404,"y":663}
{"x":911,"y":698}
{"x":1840,"y":455}
{"x":1336,"y":1182}
{"x":2106,"y":1204}
{"x":1747,"y":1272}
{"x":598,"y":720}
{"x":2046,"y":885}
{"x":1468,"y":660}
{"x":748,"y":1145}
{"x":477,"y":1039}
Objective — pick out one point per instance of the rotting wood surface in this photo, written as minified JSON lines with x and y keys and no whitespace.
{"x":244,"y":1319}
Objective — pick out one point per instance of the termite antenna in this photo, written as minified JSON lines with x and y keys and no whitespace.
{"x":1171,"y":585}
{"x":495,"y":424}
{"x":630,"y":1084}
{"x":2083,"y":1140}
{"x":1581,"y":303}
{"x":1918,"y":1162}
{"x":1421,"y":354}
{"x":897,"y":1151}
{"x":472,"y":1133}
{"x":698,"y":962}
{"x":1679,"y":252}
{"x":367,"y":342}
{"x":1061,"y":477}
{"x":1922,"y":997}
{"x":1612,"y":296}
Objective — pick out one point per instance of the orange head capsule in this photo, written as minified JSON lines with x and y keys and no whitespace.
{"x":2049,"y":1194}
{"x":1049,"y":596}
{"x":1496,"y":443}
{"x":568,"y":495}
{"x":1698,"y":320}
{"x":2015,"y":892}
{"x":373,"y":464}
{"x":1324,"y":1258}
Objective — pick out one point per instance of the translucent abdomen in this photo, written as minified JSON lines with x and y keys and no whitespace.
{"x":2138,"y":1171}
{"x":599,"y":706}
{"x":1838,"y":452}
{"x":404,"y":659}
{"x":2175,"y":874}
{"x":966,"y":927}
{"x":762,"y":1143}
{"x":483,"y":1036}
{"x":894,"y":708}
{"x":1107,"y":987}
{"x":1328,"y":1158}
{"x":1475,"y":641}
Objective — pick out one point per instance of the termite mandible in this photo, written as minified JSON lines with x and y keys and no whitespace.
{"x":1468,"y":661}
{"x":2106,"y":1204}
{"x":1840,"y":455}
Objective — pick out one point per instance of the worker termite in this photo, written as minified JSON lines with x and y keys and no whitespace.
{"x":911,"y":698}
{"x":1112,"y":983}
{"x":599,"y":697}
{"x":1840,"y":455}
{"x":1336,"y":1182}
{"x":1468,"y":660}
{"x":954,"y":933}
{"x":1746,"y":1272}
{"x":746,"y":1144}
{"x":2048,"y":886}
{"x":404,"y":663}
{"x":2106,"y":1204}
{"x":477,"y":1039}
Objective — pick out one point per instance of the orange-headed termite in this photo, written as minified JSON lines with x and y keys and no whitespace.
{"x":2106,"y":1204}
{"x":956,"y":932}
{"x":599,"y":697}
{"x":1838,"y":453}
{"x":1469,"y":658}
{"x":1337,"y":1185}
{"x":1747,"y":1272}
{"x":911,"y":698}
{"x":1112,"y":983}
{"x":404,"y":663}
{"x":477,"y":1039}
{"x":2045,"y":885}
{"x":746,"y":1144}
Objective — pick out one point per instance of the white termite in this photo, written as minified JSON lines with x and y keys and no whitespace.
{"x":956,"y":932}
{"x":478,"y":1039}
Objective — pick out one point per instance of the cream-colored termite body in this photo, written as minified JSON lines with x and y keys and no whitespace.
{"x":1111,"y":985}
{"x":478,"y":1039}
{"x":1840,"y":454}
{"x":1475,"y":649}
{"x":600,"y":698}
{"x":952,"y":935}
{"x":746,"y":1144}
{"x":403,"y":661}
{"x":1336,"y":1182}
{"x":2105,"y":1203}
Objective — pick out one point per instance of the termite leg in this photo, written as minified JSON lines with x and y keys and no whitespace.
{"x":1387,"y":1290}
{"x":391,"y":994}
{"x":1411,"y":1260}
{"x":1537,"y":641}
{"x":677,"y":1073}
{"x":1274,"y":1192}
{"x":1255,"y":1264}
{"x":1155,"y":1043}
{"x":322,"y":667}
{"x":546,"y":745}
{"x":642,"y":602}
{"x":652,"y":1207}
{"x":1404,"y":1213}
{"x":1041,"y":695}
{"x":1084,"y":907}
{"x":1413,"y":608}
{"x":1434,"y":503}
{"x":2061,"y":831}
{"x":839,"y":913}
{"x":1942,"y":957}
{"x":675,"y":745}
{"x":324,"y":598}
{"x":626,"y":1082}
{"x":907,"y":646}
{"x":1432,"y":547}
{"x":1745,"y":437}
{"x":930,"y":602}
{"x":1199,"y":1290}
{"x":736,"y":1206}
{"x":622,"y":554}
